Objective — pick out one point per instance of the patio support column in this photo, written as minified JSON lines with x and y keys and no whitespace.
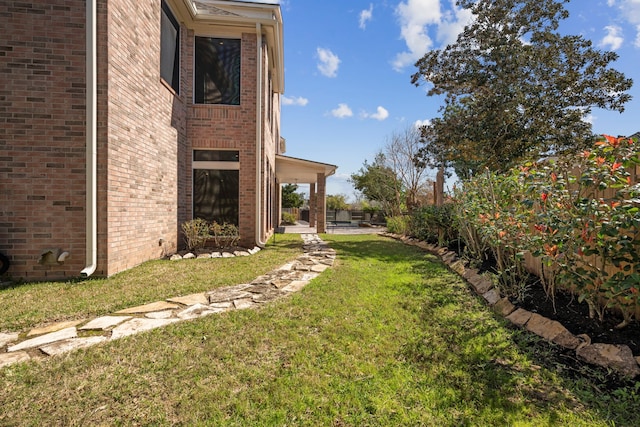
{"x":278,"y":203}
{"x":321,"y":203}
{"x":312,"y":205}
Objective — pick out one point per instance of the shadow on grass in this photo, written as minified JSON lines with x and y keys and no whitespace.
{"x":476,"y":356}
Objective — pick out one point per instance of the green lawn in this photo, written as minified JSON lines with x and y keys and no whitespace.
{"x":387,"y":337}
{"x":26,"y":305}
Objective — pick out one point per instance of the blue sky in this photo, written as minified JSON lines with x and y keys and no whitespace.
{"x":348,"y":66}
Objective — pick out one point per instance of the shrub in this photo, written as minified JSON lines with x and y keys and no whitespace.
{"x":196,"y":233}
{"x":224,"y":235}
{"x":580,"y":214}
{"x":398,"y":224}
{"x":434,"y":224}
{"x":288,"y":218}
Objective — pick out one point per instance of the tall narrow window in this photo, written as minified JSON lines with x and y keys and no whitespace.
{"x":217,"y":73}
{"x":170,"y":48}
{"x":216,"y":186}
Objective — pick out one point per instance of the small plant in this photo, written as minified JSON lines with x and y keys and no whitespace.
{"x":196,"y":233}
{"x":434,"y":224}
{"x":288,"y":218}
{"x":398,"y":224}
{"x":224,"y":235}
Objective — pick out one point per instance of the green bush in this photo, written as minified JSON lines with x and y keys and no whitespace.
{"x":580,"y":214}
{"x":399,"y":224}
{"x":434,"y":224}
{"x":288,"y":218}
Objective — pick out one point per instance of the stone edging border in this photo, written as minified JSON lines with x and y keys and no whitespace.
{"x":617,"y":357}
{"x":63,"y":337}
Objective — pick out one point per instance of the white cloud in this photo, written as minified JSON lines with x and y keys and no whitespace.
{"x":629,"y":11}
{"x":380,"y":114}
{"x":342,"y":111}
{"x":613,"y":40}
{"x":415,"y":18}
{"x":366,"y":16}
{"x":453,"y":24}
{"x":328,"y":65}
{"x":419,"y":123}
{"x":296,"y":100}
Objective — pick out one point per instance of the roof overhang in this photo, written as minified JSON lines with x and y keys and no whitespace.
{"x":229,"y":16}
{"x":299,"y":171}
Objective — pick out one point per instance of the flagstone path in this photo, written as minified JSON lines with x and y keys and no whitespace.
{"x":63,"y":337}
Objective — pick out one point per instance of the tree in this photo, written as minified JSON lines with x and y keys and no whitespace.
{"x":400,"y":154}
{"x":378,"y":182}
{"x":514,"y":87}
{"x":291,"y":199}
{"x":337,"y":202}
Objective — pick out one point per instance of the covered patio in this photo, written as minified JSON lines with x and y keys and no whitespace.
{"x":291,"y":170}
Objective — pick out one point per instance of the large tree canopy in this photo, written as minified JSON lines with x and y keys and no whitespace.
{"x":515,"y":87}
{"x":378,"y":182}
{"x":337,"y":202}
{"x":291,"y":199}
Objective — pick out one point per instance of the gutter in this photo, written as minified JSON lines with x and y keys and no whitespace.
{"x":91,"y":142}
{"x":258,"y":239}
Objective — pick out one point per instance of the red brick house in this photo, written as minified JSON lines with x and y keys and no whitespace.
{"x":122,"y":119}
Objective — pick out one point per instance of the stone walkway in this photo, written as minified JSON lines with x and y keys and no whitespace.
{"x":67,"y":336}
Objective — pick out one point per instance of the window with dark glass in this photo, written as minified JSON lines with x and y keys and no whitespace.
{"x":217,"y":71}
{"x":170,"y":48}
{"x":216,"y":186}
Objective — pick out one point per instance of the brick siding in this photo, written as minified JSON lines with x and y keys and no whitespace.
{"x":42,"y":135}
{"x":146,"y":134}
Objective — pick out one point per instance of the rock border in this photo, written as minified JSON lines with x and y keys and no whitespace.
{"x":63,"y":337}
{"x":617,"y":357}
{"x":235,"y":252}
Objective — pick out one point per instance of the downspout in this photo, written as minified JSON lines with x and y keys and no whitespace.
{"x":91,"y":142}
{"x":259,"y":241}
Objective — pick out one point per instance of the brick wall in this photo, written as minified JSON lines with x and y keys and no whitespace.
{"x":42,"y":135}
{"x":145,"y":137}
{"x":146,"y":134}
{"x":231,"y":127}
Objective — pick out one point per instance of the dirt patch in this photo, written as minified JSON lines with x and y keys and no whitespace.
{"x":575,"y":317}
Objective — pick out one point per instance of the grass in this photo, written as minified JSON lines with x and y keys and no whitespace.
{"x":386,"y":337}
{"x":25,"y":305}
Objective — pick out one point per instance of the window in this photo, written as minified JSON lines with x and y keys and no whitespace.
{"x":170,"y":48}
{"x":216,"y":186}
{"x":217,"y":73}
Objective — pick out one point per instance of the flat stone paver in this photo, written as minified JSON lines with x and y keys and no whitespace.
{"x":198,"y":310}
{"x":8,"y":338}
{"x":60,"y":347}
{"x":225,"y":295}
{"x":7,"y":359}
{"x":45,"y":339}
{"x":103,"y":323}
{"x":154,"y":306}
{"x":192,"y":299}
{"x":243,"y":304}
{"x":137,"y":325}
{"x":63,"y":337}
{"x":53,"y":327}
{"x":295,"y":286}
{"x":166,"y":314}
{"x":221,"y":305}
